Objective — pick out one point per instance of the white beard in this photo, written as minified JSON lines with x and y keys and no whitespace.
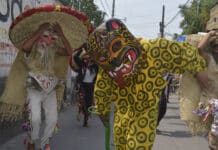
{"x":42,"y":49}
{"x":46,"y":58}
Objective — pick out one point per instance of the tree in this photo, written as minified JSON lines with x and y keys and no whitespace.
{"x":196,"y":16}
{"x":88,"y":7}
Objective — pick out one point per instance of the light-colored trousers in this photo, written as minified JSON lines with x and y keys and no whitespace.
{"x":37,"y":100}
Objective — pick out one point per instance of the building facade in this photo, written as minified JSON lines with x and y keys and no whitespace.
{"x":213,"y":22}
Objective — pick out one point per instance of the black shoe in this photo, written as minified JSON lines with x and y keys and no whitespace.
{"x":85,"y":124}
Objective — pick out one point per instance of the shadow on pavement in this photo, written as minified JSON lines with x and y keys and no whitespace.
{"x":177,"y":124}
{"x":177,"y":134}
{"x":171,"y":117}
{"x":9,"y":133}
{"x":172,"y":107}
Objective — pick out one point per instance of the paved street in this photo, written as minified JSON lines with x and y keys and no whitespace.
{"x":175,"y":135}
{"x":73,"y":136}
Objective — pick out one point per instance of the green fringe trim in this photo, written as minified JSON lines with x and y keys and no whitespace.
{"x":10,"y":113}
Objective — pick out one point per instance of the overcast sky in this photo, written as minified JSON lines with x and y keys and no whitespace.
{"x":142,"y":17}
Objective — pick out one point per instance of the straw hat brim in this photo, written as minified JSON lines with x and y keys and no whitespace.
{"x":75,"y":25}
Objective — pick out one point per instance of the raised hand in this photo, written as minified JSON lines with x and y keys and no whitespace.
{"x":212,"y":33}
{"x":66,"y":50}
{"x":57,"y":28}
{"x":44,"y":26}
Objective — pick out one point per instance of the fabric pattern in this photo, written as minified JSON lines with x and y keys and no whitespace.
{"x":136,"y":103}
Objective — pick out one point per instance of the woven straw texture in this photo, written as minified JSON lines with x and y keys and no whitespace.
{"x":75,"y":25}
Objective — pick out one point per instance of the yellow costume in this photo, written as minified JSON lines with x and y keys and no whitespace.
{"x":130,"y":75}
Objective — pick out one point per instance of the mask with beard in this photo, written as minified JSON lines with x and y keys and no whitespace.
{"x":42,"y":54}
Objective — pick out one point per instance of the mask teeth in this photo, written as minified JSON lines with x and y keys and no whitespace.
{"x":115,"y":74}
{"x":118,"y":68}
{"x":130,"y":58}
{"x":111,"y":74}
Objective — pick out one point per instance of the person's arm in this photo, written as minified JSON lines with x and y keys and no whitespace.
{"x":175,"y":57}
{"x":76,"y":61}
{"x":202,"y":44}
{"x":66,"y":50}
{"x":27,"y":45}
{"x":179,"y":58}
{"x":202,"y":79}
{"x":202,"y":76}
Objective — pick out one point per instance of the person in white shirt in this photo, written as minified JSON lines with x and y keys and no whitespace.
{"x":87,"y":73}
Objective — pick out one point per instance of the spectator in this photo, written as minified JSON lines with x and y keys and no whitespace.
{"x":87,"y":72}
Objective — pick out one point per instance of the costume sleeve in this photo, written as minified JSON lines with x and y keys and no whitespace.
{"x":75,"y":60}
{"x":175,"y":57}
{"x":102,"y":93}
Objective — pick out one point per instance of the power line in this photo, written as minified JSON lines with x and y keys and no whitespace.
{"x":104,"y":7}
{"x":108,"y":7}
{"x":174,"y":17}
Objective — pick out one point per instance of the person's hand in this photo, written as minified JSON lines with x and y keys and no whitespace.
{"x":83,"y":54}
{"x":57,"y":28}
{"x":44,"y":26}
{"x":212,"y":33}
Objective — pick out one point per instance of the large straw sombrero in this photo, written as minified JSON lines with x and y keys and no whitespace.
{"x":75,"y":25}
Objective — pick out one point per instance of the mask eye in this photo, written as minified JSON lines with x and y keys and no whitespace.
{"x":54,"y":38}
{"x":116,"y":46}
{"x":45,"y":35}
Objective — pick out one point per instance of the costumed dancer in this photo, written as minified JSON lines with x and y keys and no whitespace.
{"x":42,"y":36}
{"x":131,"y":76}
{"x":87,"y":72}
{"x":199,"y":108}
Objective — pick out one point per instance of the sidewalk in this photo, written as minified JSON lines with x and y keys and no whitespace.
{"x":73,"y":136}
{"x":175,"y":134}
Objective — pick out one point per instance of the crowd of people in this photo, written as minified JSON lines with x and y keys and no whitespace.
{"x":113,"y":66}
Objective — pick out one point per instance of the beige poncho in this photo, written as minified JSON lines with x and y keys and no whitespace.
{"x":13,"y":98}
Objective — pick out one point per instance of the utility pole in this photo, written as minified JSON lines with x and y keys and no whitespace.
{"x":113,"y":8}
{"x":198,"y":7}
{"x":162,"y":23}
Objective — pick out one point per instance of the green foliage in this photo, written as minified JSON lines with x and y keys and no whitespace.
{"x":88,"y":7}
{"x":196,"y":16}
{"x":66,"y":2}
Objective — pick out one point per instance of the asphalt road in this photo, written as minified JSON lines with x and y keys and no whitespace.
{"x":72,"y":136}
